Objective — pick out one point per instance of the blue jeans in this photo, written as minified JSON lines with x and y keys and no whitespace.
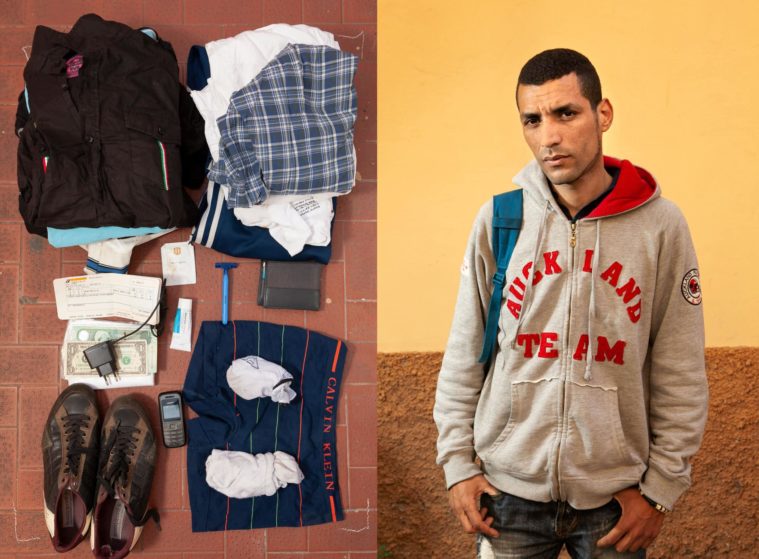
{"x":529,"y":529}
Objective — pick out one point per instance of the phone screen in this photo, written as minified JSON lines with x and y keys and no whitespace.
{"x":171,"y":410}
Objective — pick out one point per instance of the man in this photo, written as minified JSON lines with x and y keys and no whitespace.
{"x":580,"y":429}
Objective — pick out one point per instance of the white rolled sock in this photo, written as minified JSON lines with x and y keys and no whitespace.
{"x":253,"y":377}
{"x":241,"y":475}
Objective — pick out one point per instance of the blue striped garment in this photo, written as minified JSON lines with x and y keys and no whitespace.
{"x":220,"y":230}
{"x":305,"y":428}
{"x":290,"y":130}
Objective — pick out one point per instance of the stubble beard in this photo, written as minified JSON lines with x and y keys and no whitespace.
{"x":571,"y":180}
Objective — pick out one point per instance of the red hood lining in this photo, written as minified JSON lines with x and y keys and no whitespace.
{"x":634,"y":186}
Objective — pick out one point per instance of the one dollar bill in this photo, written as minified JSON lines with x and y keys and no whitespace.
{"x":91,"y":332}
{"x":131,"y":358}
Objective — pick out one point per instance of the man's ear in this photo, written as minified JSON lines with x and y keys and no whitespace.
{"x":605,"y":114}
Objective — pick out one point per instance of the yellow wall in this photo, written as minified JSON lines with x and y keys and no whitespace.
{"x":684,"y":81}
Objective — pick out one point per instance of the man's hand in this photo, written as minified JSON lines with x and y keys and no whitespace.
{"x":638,"y":526}
{"x":463,"y":498}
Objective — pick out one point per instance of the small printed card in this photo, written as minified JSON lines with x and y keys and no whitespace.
{"x":178,"y":262}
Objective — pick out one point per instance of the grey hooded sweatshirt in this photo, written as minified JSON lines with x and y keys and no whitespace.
{"x":598,"y":381}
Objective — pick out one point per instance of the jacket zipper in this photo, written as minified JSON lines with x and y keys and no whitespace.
{"x":567,"y":363}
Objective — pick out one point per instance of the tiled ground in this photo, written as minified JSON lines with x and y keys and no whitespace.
{"x":30,"y":332}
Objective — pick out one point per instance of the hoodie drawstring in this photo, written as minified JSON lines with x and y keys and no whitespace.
{"x":592,"y":310}
{"x":528,"y":291}
{"x":528,"y":285}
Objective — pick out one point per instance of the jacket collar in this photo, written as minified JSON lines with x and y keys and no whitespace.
{"x":50,"y":47}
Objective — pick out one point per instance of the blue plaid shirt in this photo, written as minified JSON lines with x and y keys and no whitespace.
{"x":290,"y":130}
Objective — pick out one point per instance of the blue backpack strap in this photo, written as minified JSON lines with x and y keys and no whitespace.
{"x":507,"y":222}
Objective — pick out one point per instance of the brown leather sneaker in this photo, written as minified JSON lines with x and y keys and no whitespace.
{"x":70,"y":445}
{"x":125,"y":475}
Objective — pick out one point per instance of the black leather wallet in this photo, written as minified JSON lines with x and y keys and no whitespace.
{"x":290,"y":285}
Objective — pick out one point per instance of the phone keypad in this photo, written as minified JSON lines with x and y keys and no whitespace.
{"x":173,"y":436}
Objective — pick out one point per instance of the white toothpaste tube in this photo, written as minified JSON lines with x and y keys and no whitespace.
{"x":182,"y":336}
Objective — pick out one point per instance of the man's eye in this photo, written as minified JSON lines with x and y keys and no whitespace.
{"x":568,"y":114}
{"x":531,"y":121}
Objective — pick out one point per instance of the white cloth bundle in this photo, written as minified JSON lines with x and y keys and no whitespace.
{"x":293,"y":223}
{"x":253,"y":377}
{"x":241,"y":475}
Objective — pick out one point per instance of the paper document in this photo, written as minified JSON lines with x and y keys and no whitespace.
{"x":178,"y":263}
{"x":101,"y":295}
{"x":98,"y":383}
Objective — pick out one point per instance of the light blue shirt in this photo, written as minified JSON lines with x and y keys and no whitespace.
{"x":60,"y":238}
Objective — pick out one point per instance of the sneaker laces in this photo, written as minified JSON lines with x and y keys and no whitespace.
{"x":120,"y":448}
{"x":73,"y":429}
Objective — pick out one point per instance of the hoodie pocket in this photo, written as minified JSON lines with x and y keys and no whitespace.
{"x":594,"y":440}
{"x":524,"y":446}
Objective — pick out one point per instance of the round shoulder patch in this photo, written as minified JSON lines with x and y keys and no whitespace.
{"x":691,"y":287}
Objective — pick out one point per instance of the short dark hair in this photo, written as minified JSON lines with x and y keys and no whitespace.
{"x":555,"y":63}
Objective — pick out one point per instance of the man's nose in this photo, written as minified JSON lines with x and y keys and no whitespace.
{"x":550,"y":136}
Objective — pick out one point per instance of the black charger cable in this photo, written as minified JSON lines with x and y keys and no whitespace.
{"x":141,"y":326}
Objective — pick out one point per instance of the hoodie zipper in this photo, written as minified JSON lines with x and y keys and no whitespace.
{"x":567,"y":363}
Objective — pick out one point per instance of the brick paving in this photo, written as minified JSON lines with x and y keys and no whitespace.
{"x":30,"y":333}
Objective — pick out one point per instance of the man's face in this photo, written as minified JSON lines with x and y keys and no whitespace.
{"x":561,"y":128}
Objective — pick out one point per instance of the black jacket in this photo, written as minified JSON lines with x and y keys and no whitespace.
{"x":108,"y":138}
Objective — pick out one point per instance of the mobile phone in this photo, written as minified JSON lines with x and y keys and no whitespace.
{"x":172,"y":419}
